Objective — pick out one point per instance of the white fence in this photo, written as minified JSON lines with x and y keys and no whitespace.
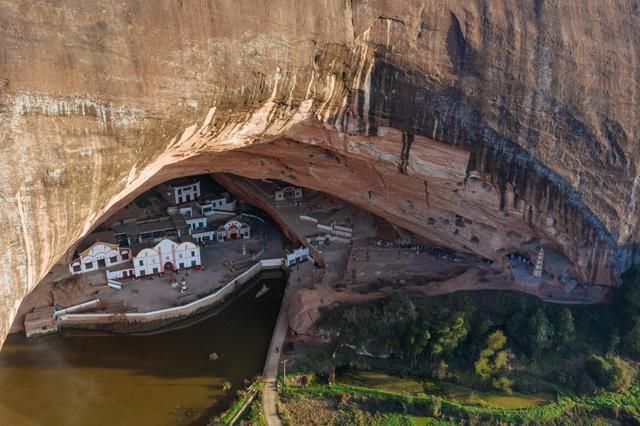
{"x":176,"y":312}
{"x":74,"y":308}
{"x":308,"y":218}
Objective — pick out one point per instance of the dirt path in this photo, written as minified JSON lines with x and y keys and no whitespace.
{"x":297,"y":279}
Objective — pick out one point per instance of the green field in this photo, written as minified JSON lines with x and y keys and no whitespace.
{"x":452,"y":392}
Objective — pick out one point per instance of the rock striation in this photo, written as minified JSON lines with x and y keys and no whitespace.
{"x":478,"y":125}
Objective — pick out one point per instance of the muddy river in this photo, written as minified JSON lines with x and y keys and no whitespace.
{"x":82,"y":378}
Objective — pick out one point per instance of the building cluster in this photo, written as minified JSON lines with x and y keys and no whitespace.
{"x":141,"y":247}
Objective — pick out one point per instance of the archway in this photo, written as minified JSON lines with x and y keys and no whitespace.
{"x":168,"y":266}
{"x":233,"y":233}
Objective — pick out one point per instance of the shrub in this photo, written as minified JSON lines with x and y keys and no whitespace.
{"x":610,"y":373}
{"x":502,"y":383}
{"x":631,"y":341}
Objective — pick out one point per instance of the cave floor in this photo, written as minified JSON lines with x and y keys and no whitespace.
{"x":143,"y":295}
{"x":140,"y":295}
{"x":365,"y":268}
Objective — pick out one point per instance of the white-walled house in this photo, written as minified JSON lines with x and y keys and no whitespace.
{"x":233,"y":230}
{"x":99,"y":255}
{"x":288,"y":193}
{"x":198,"y":222}
{"x":298,"y":255}
{"x":184,"y":190}
{"x":222,"y":202}
{"x":167,"y":255}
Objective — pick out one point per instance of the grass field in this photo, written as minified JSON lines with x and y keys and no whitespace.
{"x":449,"y":391}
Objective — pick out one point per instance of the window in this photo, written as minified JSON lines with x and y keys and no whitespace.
{"x":125,"y":256}
{"x":193,"y":263}
{"x":142,"y":263}
{"x":88,"y":265}
{"x":181,"y":265}
{"x":113,"y":259}
{"x":179,"y":191}
{"x":77,"y":268}
{"x":143,"y":273}
{"x":193,"y":253}
{"x":155,"y":270}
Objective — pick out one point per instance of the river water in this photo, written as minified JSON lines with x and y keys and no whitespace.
{"x":81,"y":378}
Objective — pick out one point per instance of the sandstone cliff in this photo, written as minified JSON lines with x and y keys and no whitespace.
{"x":477,"y":124}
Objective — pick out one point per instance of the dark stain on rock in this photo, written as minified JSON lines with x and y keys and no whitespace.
{"x":407,"y":141}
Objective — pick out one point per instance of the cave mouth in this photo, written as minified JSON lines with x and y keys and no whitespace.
{"x":235,"y":220}
{"x":359,"y":251}
{"x":139,"y":257}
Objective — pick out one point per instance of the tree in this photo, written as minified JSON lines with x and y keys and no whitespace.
{"x":565,"y":328}
{"x":540,"y":333}
{"x":631,"y":341}
{"x":450,"y":335}
{"x":418,"y":340}
{"x":493,"y":360}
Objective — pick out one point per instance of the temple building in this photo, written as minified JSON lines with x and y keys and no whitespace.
{"x":167,"y":255}
{"x":288,"y":193}
{"x":152,"y":259}
{"x":97,"y":251}
{"x":233,"y":229}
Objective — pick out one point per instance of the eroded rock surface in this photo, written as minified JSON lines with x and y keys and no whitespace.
{"x":515,"y":119}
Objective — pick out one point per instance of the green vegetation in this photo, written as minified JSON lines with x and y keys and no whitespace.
{"x":252,"y":414}
{"x":493,"y":361}
{"x":480,"y":356}
{"x":449,"y":391}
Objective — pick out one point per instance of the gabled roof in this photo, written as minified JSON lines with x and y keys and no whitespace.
{"x":103,"y":237}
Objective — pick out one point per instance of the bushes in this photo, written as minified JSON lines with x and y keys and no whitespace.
{"x":611,"y":372}
{"x":631,"y":341}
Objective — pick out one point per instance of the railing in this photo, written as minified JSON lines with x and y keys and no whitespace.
{"x":73,"y":308}
{"x":178,"y":311}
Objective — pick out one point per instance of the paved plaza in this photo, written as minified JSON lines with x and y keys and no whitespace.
{"x":152,"y":293}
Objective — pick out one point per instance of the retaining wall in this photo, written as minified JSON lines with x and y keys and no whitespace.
{"x":147,"y":320}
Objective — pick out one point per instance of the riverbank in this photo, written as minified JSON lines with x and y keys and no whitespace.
{"x":164,"y":379}
{"x":136,"y":322}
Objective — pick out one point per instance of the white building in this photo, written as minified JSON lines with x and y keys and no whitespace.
{"x":288,"y":194}
{"x":198,"y":217}
{"x":233,"y":230}
{"x":99,"y":254}
{"x":184,"y":190}
{"x":167,"y":255}
{"x":297,"y":256}
{"x":222,"y":202}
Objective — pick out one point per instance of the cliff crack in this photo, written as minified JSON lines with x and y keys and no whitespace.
{"x":407,"y":141}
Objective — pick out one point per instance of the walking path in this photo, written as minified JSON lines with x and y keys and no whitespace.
{"x":297,"y":279}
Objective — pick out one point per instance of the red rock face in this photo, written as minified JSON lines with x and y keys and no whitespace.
{"x":514,"y":119}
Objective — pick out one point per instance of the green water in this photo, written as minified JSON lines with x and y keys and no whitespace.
{"x":162,"y":379}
